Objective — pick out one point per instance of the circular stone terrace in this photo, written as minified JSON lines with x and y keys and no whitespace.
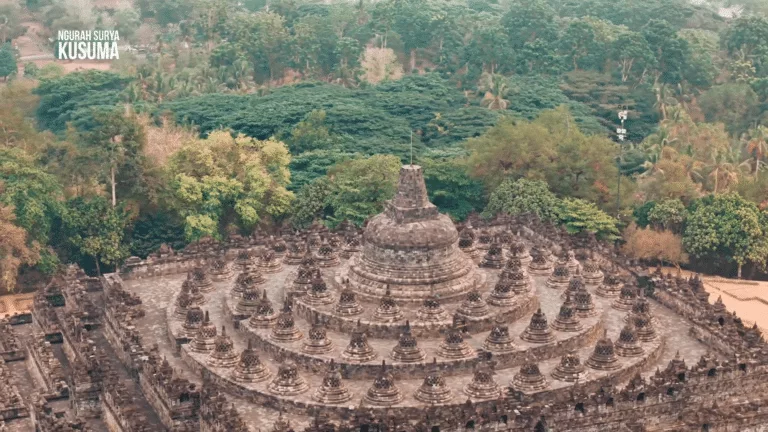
{"x":411,"y":315}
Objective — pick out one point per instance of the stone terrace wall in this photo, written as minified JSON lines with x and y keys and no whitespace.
{"x":175,"y":399}
{"x":166,"y":261}
{"x":215,"y":415}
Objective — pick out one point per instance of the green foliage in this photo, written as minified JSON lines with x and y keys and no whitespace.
{"x":127,"y":22}
{"x":602,"y":95}
{"x":354,"y":190}
{"x":733,"y":104}
{"x":727,"y":226}
{"x":630,"y":14}
{"x":254,"y":5}
{"x":223,"y":180}
{"x":311,"y":134}
{"x":632,"y":55}
{"x":669,"y":50}
{"x":49,"y":263}
{"x":8,"y":65}
{"x":533,"y":33}
{"x":31,"y":70}
{"x":152,"y":230}
{"x":93,"y":228}
{"x":308,"y":166}
{"x":311,"y":203}
{"x":523,"y":196}
{"x":75,"y":97}
{"x":360,"y":187}
{"x":550,"y":148}
{"x":748,"y":38}
{"x":10,"y":23}
{"x":668,"y":214}
{"x":577,"y":216}
{"x":451,"y":189}
{"x":641,"y":213}
{"x":113,"y":150}
{"x":369,"y":121}
{"x":34,"y":193}
{"x":263,"y":39}
{"x":166,"y":12}
{"x":701,"y":64}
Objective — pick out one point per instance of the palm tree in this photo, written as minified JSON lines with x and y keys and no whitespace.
{"x":654,"y":145}
{"x":756,"y":145}
{"x":664,"y":99}
{"x":723,"y":171}
{"x":495,"y":88}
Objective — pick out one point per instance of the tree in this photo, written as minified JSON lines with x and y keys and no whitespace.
{"x":380,"y":64}
{"x":315,"y":42}
{"x":748,"y":37}
{"x":649,"y":244}
{"x":8,"y":66}
{"x":17,"y":127}
{"x":510,"y":148}
{"x":451,"y":189}
{"x":523,"y":196}
{"x":116,"y":146}
{"x":448,"y":34}
{"x":533,"y":34}
{"x":550,"y":148}
{"x":312,"y":134}
{"x":701,"y":64}
{"x":734,"y":105}
{"x":756,"y":145}
{"x":348,"y":52}
{"x":723,"y":171}
{"x":264,"y":38}
{"x":308,"y":166}
{"x":669,"y":50}
{"x":94,"y":228}
{"x":487,"y":49}
{"x":223,"y":179}
{"x":15,"y":251}
{"x":579,"y":46}
{"x":632,"y":55}
{"x":33,"y":194}
{"x":360,"y":187}
{"x":495,"y":88}
{"x":668,"y":215}
{"x":578,"y":216}
{"x":413,"y":22}
{"x":10,"y":23}
{"x":727,"y":226}
{"x":311,"y":203}
{"x":127,"y":22}
{"x":31,"y":70}
{"x":75,"y":97}
{"x":153,"y":228}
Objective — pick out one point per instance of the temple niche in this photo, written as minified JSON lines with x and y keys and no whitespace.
{"x":404,"y":325}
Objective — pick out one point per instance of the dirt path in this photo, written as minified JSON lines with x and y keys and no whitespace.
{"x":749,"y":299}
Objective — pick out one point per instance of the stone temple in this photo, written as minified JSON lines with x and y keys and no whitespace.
{"x":413,"y":324}
{"x":411,"y":249}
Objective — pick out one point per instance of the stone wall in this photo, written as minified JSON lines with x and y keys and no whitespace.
{"x":166,"y":261}
{"x":174,"y":399}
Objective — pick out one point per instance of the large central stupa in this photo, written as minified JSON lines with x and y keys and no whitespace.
{"x":411,"y":249}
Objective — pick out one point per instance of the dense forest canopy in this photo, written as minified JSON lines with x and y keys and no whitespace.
{"x":233,"y":116}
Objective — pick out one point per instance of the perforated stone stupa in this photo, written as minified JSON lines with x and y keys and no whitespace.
{"x":412,"y":248}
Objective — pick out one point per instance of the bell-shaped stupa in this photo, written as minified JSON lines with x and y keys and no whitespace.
{"x":412,"y":248}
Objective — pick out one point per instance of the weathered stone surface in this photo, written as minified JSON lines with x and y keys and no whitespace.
{"x":411,"y":248}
